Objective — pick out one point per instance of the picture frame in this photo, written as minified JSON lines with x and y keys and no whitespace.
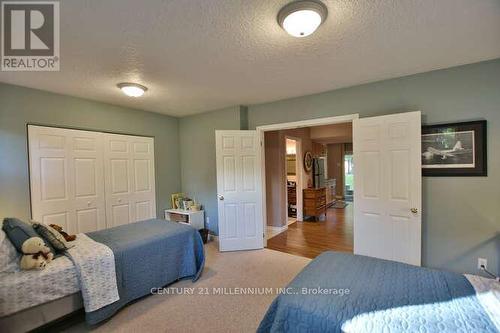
{"x":186,"y":204}
{"x":455,"y":149}
{"x":177,"y":200}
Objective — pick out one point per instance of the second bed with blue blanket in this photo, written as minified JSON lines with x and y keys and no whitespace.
{"x":339,"y":292}
{"x":148,"y":254}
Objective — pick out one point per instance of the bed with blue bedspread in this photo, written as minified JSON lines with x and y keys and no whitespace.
{"x":340,"y":292}
{"x":121,"y":264}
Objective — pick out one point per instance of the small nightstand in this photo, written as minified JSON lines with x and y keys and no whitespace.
{"x":196,"y":219}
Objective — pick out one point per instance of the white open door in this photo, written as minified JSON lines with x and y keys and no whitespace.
{"x":239,"y":190}
{"x":387,"y":200}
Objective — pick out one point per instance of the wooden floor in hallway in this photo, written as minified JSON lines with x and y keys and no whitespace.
{"x":309,"y":239}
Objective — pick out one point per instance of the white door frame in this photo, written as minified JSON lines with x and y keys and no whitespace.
{"x":299,"y":183}
{"x":291,"y":125}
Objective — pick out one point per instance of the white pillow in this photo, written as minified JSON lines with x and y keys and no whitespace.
{"x":9,"y":257}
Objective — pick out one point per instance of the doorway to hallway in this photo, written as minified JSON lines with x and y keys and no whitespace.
{"x":310,"y":239}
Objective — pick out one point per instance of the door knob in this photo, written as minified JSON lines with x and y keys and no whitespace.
{"x":89,"y":203}
{"x":414,"y":210}
{"x":221,"y":197}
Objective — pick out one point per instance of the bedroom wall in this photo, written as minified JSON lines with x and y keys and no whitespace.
{"x":461,"y":219}
{"x":197,"y":155}
{"x":19,"y":106}
{"x":275,"y":153}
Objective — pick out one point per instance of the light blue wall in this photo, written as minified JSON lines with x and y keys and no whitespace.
{"x":19,"y":106}
{"x":461,"y":215}
{"x":197,"y":141}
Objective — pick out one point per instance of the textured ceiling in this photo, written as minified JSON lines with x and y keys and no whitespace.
{"x":200,"y":55}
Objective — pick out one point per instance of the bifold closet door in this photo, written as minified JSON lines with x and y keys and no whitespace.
{"x":129,"y":179}
{"x":67,"y":178}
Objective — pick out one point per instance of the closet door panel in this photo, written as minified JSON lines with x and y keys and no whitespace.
{"x":119,"y":173}
{"x":143,"y":179}
{"x":66,"y":175}
{"x":121,"y":213}
{"x":85,"y":177}
{"x":117,"y":180}
{"x":87,"y":220}
{"x":130,"y":182}
{"x":51,"y":200}
{"x":143,"y":210}
{"x":53,"y":175}
{"x":63,"y":218}
{"x":88,"y":180}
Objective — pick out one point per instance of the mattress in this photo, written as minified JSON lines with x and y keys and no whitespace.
{"x":20,"y":290}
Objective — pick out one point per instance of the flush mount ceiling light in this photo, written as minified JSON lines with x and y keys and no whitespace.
{"x":132,"y":89}
{"x":302,"y":18}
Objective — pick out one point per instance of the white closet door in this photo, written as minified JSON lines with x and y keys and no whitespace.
{"x":67,"y":178}
{"x":130,"y":179}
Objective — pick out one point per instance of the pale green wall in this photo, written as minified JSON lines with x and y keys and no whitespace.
{"x":197,"y":141}
{"x":19,"y":106}
{"x":461,"y":215}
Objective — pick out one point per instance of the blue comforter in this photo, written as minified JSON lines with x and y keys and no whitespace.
{"x":149,"y":254}
{"x":361,"y":294}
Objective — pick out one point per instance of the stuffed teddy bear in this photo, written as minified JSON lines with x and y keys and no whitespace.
{"x":36,"y":255}
{"x":68,"y":238}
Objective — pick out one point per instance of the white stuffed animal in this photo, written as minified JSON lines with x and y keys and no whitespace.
{"x":36,"y":255}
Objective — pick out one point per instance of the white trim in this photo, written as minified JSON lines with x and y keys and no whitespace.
{"x":282,"y":228}
{"x":276,"y":230}
{"x":299,"y":177}
{"x":290,"y":125}
{"x":260,"y":134}
{"x":309,"y":123}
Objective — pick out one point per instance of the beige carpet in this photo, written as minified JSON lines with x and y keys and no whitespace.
{"x":211,"y":313}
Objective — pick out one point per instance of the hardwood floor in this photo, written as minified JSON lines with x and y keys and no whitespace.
{"x":309,"y":239}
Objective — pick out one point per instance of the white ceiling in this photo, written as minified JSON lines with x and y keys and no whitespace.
{"x":200,"y":55}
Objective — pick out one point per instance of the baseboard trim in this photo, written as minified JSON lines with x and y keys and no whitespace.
{"x":272,"y":231}
{"x":280,"y":229}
